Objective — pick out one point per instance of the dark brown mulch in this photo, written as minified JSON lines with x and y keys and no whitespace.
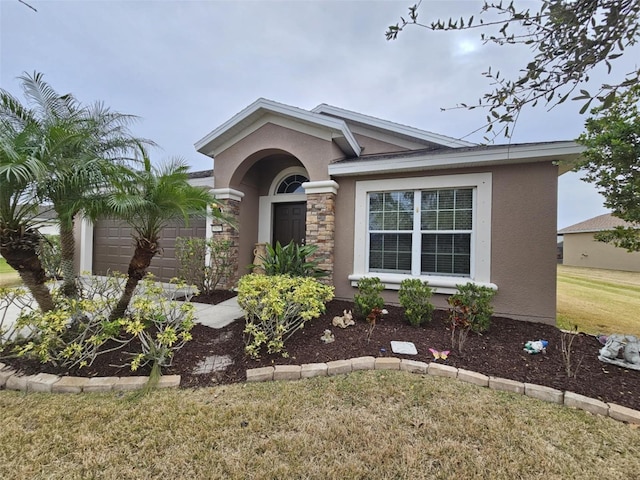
{"x":499,"y":352}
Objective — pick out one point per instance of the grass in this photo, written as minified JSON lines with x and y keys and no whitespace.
{"x":363,"y":425}
{"x":598,"y":301}
{"x":8,"y":276}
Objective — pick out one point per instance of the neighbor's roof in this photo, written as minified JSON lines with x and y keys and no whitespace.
{"x":596,"y":224}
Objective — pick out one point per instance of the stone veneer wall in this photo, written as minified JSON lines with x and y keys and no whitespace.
{"x":231,"y":209}
{"x":321,"y":225}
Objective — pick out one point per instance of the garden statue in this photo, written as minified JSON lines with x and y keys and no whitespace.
{"x":327,"y":337}
{"x":344,"y":321}
{"x":621,"y":350}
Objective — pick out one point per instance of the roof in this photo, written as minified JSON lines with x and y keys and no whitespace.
{"x":385,"y":125}
{"x":435,"y":159}
{"x":214,"y":142}
{"x":439,"y":151}
{"x":596,"y":224}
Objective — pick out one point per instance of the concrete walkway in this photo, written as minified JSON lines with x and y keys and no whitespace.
{"x":220,"y":315}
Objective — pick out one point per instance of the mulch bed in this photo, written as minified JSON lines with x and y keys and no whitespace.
{"x":498,"y":352}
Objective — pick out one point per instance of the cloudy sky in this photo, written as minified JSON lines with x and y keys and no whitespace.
{"x":184,"y":67}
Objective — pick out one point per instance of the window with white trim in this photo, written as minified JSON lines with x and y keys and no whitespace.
{"x":426,"y":232}
{"x":436,"y":228}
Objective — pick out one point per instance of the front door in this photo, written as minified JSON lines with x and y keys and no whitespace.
{"x":289,"y":222}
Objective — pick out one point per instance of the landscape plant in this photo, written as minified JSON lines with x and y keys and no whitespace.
{"x":368,"y":297}
{"x":291,"y":259}
{"x":415,"y":298}
{"x":50,"y":255}
{"x":205,"y":263}
{"x":470,"y":311}
{"x":77,"y":331}
{"x":566,"y":341}
{"x":276,"y":306}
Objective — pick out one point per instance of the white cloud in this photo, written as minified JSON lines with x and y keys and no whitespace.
{"x":185,"y":67}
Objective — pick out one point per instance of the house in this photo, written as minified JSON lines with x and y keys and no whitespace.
{"x":387,"y":200}
{"x":581,"y":249}
{"x":107,"y":245}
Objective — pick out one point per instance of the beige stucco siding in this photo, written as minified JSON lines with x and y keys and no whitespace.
{"x":523,"y":236}
{"x":582,"y":250}
{"x":371,"y":146}
{"x":314,"y":153}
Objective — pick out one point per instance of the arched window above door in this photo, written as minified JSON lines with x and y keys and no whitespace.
{"x":292,"y":184}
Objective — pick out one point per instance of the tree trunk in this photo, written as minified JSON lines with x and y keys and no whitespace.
{"x":144,"y":253}
{"x":20,"y":254}
{"x":67,"y":249}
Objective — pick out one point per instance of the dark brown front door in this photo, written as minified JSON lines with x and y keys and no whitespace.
{"x":289,"y":222}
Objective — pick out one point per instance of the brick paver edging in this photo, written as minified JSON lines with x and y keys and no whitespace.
{"x":46,"y":382}
{"x":547,"y":394}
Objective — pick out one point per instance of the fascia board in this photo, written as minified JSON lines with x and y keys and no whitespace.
{"x":392,"y":127}
{"x":507,"y":155}
{"x":261,"y":106}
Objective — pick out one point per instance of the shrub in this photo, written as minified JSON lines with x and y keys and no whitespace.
{"x":292,"y":259}
{"x":368,"y":296}
{"x":77,"y":330}
{"x":277,"y":306}
{"x":50,"y":255}
{"x":414,"y":296}
{"x":204,"y":263}
{"x":471,"y":310}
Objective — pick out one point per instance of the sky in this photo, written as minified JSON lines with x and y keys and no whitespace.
{"x":185,"y":67}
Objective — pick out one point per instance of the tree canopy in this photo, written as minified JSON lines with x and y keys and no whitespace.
{"x":612,"y":162}
{"x":568,"y":40}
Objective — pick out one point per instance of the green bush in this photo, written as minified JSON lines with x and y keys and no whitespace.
{"x":50,"y":255}
{"x":292,"y":259}
{"x":414,"y":296}
{"x":276,"y":306}
{"x":77,"y":330}
{"x":194,"y":267}
{"x":471,"y":310}
{"x":368,"y":297}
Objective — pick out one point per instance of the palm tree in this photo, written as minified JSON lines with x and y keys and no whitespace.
{"x":148,"y":201}
{"x":78,"y":144}
{"x":19,"y":236}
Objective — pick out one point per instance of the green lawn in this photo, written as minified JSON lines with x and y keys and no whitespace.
{"x":599,"y":301}
{"x":387,"y":425}
{"x":8,"y":276}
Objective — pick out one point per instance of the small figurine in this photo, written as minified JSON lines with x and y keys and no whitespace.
{"x":328,"y":337}
{"x":344,"y":321}
{"x":538,"y":346}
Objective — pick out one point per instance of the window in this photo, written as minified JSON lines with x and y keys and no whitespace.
{"x":437,"y":228}
{"x":441,"y":225}
{"x":292,"y":184}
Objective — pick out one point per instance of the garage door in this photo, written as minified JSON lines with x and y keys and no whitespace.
{"x":113,"y":247}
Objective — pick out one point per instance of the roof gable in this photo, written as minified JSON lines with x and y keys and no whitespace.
{"x":337,"y":129}
{"x":385,"y":126}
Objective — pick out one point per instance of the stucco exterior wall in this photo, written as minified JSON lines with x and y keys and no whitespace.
{"x":314,"y":153}
{"x":372,"y":145}
{"x":582,"y":250}
{"x":523,"y":237}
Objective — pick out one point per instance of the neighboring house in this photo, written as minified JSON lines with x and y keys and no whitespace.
{"x":582,"y":250}
{"x":387,"y":200}
{"x":46,"y":221}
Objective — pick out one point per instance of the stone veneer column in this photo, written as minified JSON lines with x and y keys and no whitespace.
{"x":229,"y":200}
{"x":321,"y":223}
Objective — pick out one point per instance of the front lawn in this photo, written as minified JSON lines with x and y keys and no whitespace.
{"x":364,"y":425}
{"x":598,"y":301}
{"x":8,"y":276}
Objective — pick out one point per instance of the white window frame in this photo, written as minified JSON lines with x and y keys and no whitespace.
{"x":480,"y":273}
